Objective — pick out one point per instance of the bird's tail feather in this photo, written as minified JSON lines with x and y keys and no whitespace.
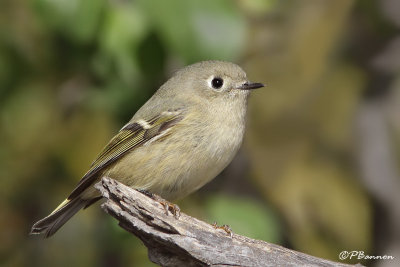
{"x":50,"y":224}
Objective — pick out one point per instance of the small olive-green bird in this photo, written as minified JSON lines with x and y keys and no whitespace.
{"x":179,"y":140}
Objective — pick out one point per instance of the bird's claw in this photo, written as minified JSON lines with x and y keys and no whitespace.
{"x":168,"y":206}
{"x":171,"y":207}
{"x":224,"y":227}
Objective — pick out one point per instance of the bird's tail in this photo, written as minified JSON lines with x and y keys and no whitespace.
{"x":50,"y":224}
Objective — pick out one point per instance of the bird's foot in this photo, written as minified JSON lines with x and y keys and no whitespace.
{"x":168,"y":206}
{"x":224,"y":227}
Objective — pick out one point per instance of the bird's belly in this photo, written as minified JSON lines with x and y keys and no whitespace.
{"x":174,"y":168}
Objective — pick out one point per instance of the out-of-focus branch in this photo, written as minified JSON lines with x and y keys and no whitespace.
{"x":186,"y":241}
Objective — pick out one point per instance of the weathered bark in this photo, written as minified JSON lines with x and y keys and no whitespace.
{"x":186,"y":241}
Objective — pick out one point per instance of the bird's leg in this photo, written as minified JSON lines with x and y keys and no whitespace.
{"x":224,"y":227}
{"x":168,"y":206}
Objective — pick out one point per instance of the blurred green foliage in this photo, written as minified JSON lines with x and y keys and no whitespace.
{"x":73,"y":72}
{"x":248,"y":217}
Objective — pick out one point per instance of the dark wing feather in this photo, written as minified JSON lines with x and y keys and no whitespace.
{"x":129,"y":137}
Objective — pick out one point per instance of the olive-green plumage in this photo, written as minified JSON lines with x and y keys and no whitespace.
{"x":180,"y":139}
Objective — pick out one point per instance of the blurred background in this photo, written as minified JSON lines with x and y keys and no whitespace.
{"x":319,"y":168}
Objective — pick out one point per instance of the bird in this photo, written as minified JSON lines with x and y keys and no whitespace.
{"x":179,"y":140}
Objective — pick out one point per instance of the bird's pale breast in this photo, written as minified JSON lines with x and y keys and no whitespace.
{"x":185,"y":159}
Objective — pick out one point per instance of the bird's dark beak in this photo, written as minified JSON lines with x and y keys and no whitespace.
{"x":250,"y":86}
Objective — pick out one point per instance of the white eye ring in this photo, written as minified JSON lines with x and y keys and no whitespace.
{"x":215,"y":82}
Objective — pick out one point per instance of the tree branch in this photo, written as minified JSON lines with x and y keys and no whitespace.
{"x":186,"y":241}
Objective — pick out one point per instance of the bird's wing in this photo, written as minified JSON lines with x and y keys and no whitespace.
{"x":131,"y":136}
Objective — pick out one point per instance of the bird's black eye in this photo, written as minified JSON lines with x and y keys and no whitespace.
{"x":217,"y":83}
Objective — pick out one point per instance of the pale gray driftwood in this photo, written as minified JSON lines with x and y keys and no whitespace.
{"x":187,"y":241}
